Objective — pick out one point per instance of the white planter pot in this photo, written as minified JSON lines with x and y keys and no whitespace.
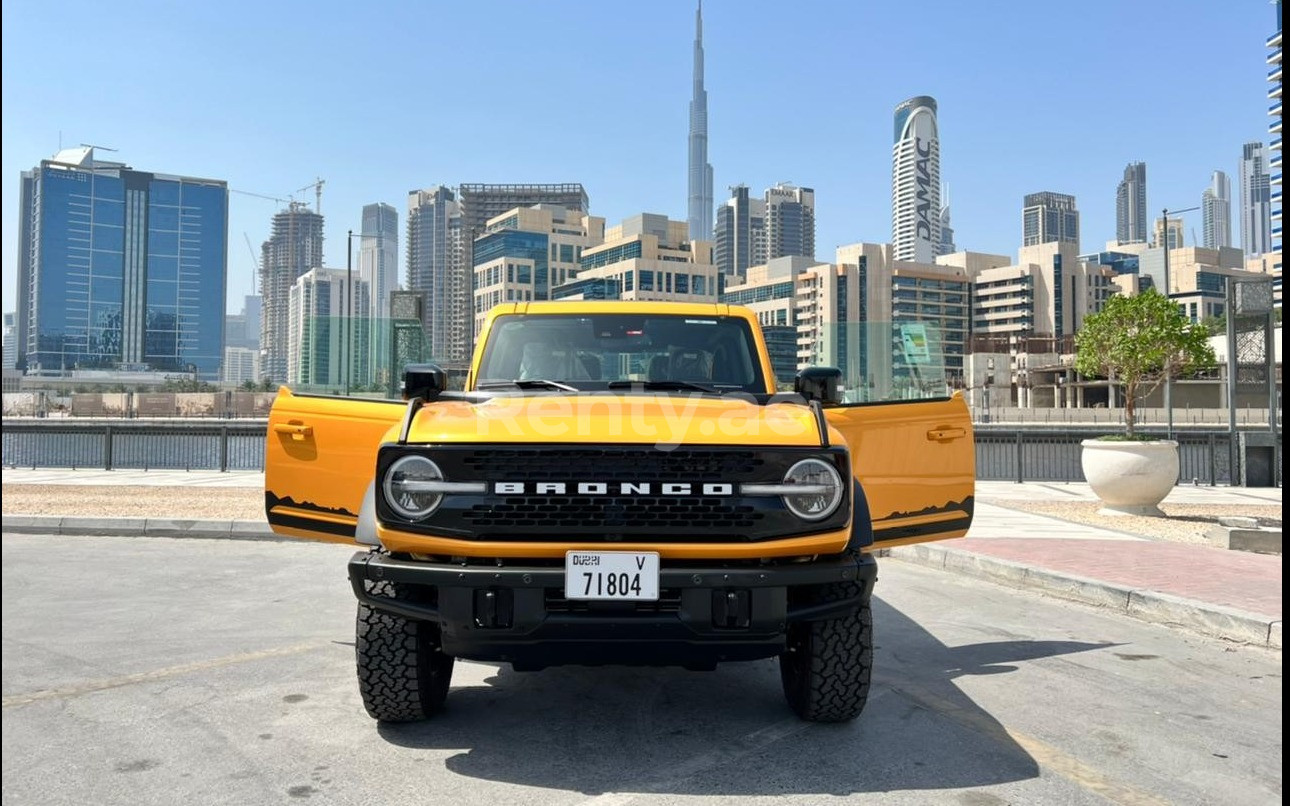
{"x":1131,"y":478}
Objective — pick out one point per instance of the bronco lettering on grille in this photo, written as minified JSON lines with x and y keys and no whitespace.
{"x":604,"y":488}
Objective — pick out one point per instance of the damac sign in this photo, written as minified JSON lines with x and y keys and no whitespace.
{"x":604,"y":488}
{"x":924,"y":179}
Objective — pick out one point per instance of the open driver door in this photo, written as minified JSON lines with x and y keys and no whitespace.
{"x":320,"y":460}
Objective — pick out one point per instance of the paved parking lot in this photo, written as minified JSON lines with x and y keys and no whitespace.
{"x":202,"y":671}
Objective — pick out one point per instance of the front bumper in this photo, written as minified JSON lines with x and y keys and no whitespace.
{"x":707,"y":613}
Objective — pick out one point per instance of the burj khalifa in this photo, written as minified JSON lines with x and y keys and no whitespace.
{"x":700,"y":209}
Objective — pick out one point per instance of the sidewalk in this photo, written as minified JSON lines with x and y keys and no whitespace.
{"x":1227,"y":594}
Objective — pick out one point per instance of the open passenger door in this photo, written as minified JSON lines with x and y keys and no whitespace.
{"x":320,"y":460}
{"x":917,"y":462}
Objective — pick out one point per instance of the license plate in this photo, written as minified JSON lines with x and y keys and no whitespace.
{"x":617,"y":576}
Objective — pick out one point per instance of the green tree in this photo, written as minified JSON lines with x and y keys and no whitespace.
{"x":1137,"y":342}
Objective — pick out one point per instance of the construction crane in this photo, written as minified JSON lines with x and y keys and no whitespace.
{"x":255,"y":262}
{"x":317,"y":189}
{"x":258,"y":195}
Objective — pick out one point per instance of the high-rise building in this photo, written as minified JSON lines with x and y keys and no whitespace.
{"x":434,"y":260}
{"x":1045,"y":295}
{"x":646,"y":257}
{"x":242,"y":330}
{"x":10,"y":340}
{"x":294,"y":247}
{"x":120,"y":269}
{"x":1198,"y":277}
{"x":700,"y":172}
{"x":1216,"y":211}
{"x":895,"y":328}
{"x":750,"y":232}
{"x":916,"y":181}
{"x":1274,"y":163}
{"x":479,"y":203}
{"x":740,"y":237}
{"x":1049,"y":217}
{"x":1175,"y":235}
{"x":241,"y":364}
{"x":769,"y":291}
{"x":442,"y":227}
{"x":1131,"y":205}
{"x":790,"y":221}
{"x":378,"y":258}
{"x":320,"y":345}
{"x":378,"y":255}
{"x":528,"y":252}
{"x":1256,"y":200}
{"x":946,"y":245}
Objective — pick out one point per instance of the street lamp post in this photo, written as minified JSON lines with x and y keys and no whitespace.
{"x":346,"y":302}
{"x":1169,"y":383}
{"x":989,"y":381}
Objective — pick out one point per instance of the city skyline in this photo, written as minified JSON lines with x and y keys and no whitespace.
{"x":631,"y":162}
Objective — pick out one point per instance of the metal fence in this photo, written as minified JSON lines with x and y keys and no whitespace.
{"x":1003,"y":453}
{"x":141,"y":445}
{"x":1033,"y":454}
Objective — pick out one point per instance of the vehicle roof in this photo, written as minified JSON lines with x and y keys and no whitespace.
{"x":621,"y":306}
{"x":591,"y":306}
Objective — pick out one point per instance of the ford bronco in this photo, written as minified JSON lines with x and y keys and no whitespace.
{"x":617,"y":483}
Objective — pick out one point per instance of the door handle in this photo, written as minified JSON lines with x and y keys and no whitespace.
{"x":297,"y":431}
{"x":944,"y":434}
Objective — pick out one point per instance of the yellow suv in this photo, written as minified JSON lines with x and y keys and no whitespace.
{"x":618,"y":483}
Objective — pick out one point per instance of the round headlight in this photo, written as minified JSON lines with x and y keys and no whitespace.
{"x":821,"y":489}
{"x":405,"y":484}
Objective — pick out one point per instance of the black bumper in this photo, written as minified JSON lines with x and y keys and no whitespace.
{"x":705,"y":614}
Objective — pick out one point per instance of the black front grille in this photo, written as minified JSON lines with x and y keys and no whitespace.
{"x":612,"y":513}
{"x":567,"y":511}
{"x":632,"y":463}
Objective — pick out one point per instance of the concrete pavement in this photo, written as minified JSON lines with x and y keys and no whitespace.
{"x":1226,"y":594}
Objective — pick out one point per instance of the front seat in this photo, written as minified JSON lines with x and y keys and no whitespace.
{"x":552,"y":362}
{"x":689,"y":364}
{"x":658,"y":368}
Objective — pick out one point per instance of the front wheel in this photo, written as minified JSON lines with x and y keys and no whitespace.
{"x":827,"y":666}
{"x":402,"y":674}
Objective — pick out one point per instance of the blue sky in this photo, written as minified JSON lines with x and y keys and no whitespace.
{"x":385,"y":97}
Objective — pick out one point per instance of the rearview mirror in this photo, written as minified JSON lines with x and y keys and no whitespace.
{"x":820,"y":383}
{"x":425,"y":381}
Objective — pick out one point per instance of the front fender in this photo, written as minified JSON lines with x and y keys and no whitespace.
{"x":365,"y":531}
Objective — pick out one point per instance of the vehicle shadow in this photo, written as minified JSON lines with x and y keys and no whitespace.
{"x":617,"y":729}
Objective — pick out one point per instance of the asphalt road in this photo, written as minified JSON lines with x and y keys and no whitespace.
{"x":155,"y":670}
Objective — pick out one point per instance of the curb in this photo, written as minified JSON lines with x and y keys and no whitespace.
{"x":138,"y":527}
{"x":1217,"y":621}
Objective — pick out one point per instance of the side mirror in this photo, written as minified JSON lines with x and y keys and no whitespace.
{"x":425,"y":381}
{"x":820,"y":383}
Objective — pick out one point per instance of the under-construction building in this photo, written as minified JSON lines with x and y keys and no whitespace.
{"x":442,"y":227}
{"x":294,"y":247}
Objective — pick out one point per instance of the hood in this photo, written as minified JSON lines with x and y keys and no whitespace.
{"x":626,"y":419}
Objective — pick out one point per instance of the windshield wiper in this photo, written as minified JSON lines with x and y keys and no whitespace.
{"x":528,"y":383}
{"x":666,"y":385}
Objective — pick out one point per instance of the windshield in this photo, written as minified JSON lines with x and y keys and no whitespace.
{"x":598,"y":351}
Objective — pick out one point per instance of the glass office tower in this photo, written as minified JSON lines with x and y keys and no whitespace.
{"x":120,"y":269}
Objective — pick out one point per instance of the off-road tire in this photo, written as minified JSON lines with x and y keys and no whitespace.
{"x":402,"y":675}
{"x":828,"y":664}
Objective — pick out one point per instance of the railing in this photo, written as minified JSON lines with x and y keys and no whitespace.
{"x":1003,"y":452}
{"x":1112,"y":420}
{"x":135,"y":444}
{"x":1030,"y":454}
